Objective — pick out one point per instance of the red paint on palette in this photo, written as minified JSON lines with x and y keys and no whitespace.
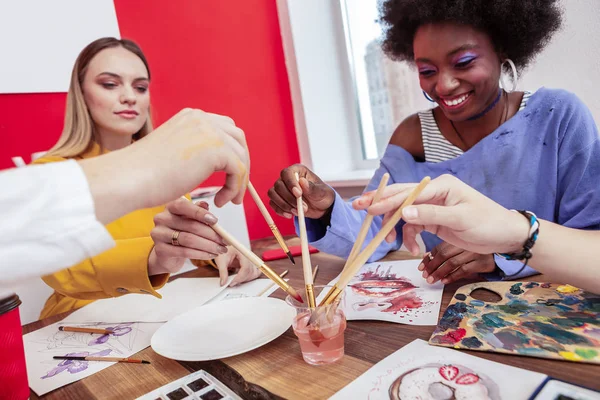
{"x":452,"y":337}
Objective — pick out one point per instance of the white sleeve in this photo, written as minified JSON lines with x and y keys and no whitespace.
{"x":47,"y":221}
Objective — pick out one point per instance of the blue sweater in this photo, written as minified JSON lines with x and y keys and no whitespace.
{"x":545,"y":159}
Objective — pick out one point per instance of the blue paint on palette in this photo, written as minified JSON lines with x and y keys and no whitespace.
{"x":477,"y":303}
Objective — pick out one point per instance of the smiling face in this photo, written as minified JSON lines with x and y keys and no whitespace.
{"x":458,"y":67}
{"x":115,"y":89}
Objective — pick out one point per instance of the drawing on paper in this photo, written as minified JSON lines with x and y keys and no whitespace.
{"x":421,"y":371}
{"x":119,"y":330}
{"x":46,"y":374}
{"x":392,"y":291}
{"x":75,"y":366}
{"x":384,"y":291}
{"x":532,"y":319}
{"x":120,"y":341}
{"x":442,"y":382}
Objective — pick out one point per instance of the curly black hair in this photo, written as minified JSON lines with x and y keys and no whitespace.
{"x":520,"y":29}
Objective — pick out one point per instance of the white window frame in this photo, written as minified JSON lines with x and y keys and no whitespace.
{"x":323,"y":92}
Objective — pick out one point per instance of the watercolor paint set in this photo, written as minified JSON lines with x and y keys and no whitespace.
{"x":554,"y":389}
{"x":199,"y":385}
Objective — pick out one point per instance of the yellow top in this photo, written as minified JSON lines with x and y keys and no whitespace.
{"x":118,"y":271}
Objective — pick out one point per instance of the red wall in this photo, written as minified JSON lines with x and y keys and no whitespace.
{"x":220,"y":56}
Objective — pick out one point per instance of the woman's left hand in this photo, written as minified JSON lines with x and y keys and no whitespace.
{"x":233,"y":260}
{"x":449,"y":263}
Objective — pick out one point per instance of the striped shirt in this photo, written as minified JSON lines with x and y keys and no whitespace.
{"x":437,"y":147}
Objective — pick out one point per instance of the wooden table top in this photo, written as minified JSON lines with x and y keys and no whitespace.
{"x":277,"y":370}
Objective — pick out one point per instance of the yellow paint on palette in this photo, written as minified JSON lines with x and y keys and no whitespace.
{"x":568,"y":355}
{"x":543,"y":319}
{"x":566,"y":289}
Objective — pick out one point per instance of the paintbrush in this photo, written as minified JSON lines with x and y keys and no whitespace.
{"x":315,"y":272}
{"x":100,"y":331}
{"x":109,"y":359}
{"x":358,"y":243}
{"x":306,"y":265}
{"x":284,"y":273}
{"x":363,"y":256}
{"x":270,"y":222}
{"x":256,"y":260}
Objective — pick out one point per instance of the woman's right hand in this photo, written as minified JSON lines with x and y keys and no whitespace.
{"x":318,"y":197}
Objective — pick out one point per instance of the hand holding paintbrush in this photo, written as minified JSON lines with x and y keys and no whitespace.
{"x":363,"y":256}
{"x":358,"y":243}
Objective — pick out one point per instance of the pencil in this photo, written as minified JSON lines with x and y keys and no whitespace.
{"x":363,"y":256}
{"x":270,"y":222}
{"x":85,"y":330}
{"x":256,"y":260}
{"x":284,"y":273}
{"x":306,"y":264}
{"x":109,"y":359}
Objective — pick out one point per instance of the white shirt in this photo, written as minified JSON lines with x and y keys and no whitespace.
{"x":47,"y":222}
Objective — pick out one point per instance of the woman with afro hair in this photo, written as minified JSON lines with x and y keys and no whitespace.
{"x":527,"y":151}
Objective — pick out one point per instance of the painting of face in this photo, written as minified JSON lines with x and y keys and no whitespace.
{"x":392,"y":291}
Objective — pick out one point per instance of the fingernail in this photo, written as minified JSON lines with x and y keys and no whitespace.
{"x":203,"y":204}
{"x":210,"y":219}
{"x":222,"y":249}
{"x":287,"y":215}
{"x":430,"y":279}
{"x":297,"y":192}
{"x":410,"y":213}
{"x":222,"y":282}
{"x":421,"y":267}
{"x":425,"y":274}
{"x":445,"y":281}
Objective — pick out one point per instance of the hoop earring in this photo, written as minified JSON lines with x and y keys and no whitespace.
{"x":515,"y":77}
{"x":427,"y":97}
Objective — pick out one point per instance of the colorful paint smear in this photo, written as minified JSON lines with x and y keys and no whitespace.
{"x":532,"y":319}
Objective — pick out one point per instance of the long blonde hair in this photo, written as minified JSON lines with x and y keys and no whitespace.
{"x":79,"y":133}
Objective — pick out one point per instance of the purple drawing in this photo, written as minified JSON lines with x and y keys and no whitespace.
{"x":119,"y":330}
{"x":74,"y":366}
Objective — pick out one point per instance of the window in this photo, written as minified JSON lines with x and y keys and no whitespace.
{"x":386,"y":91}
{"x":347,"y":96}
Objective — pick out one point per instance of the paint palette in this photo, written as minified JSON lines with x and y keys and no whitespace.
{"x":531,"y":319}
{"x":199,"y":385}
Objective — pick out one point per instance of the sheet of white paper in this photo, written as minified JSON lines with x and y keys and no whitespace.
{"x":46,"y":374}
{"x":247,"y":289}
{"x":417,"y":368}
{"x":178,"y":296}
{"x":392,"y":291}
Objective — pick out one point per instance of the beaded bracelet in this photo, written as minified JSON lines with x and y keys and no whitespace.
{"x":525,"y":254}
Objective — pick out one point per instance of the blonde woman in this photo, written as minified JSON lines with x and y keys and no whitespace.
{"x":108,"y":108}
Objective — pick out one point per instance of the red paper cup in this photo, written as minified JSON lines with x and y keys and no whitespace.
{"x":13,"y":372}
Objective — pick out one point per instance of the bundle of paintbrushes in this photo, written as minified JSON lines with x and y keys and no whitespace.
{"x":358,"y":256}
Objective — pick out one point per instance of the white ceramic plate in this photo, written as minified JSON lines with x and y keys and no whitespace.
{"x":223,"y":329}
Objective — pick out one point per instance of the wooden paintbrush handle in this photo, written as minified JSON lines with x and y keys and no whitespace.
{"x":364,"y":229}
{"x":260,"y":204}
{"x":363,"y":256}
